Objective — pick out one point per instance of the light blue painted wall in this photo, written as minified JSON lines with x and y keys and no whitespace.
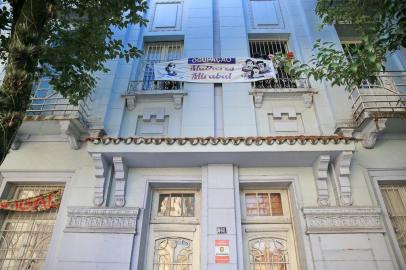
{"x":195,"y":26}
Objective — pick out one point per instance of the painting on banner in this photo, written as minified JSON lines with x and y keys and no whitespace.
{"x":215,"y":70}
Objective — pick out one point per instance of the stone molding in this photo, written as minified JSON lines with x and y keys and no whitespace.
{"x":369,"y":133}
{"x":72,"y":133}
{"x":343,"y":220}
{"x":100,"y":166}
{"x":258,"y":99}
{"x":320,"y":170}
{"x":176,"y":96}
{"x":120,"y":176}
{"x":177,"y":101}
{"x":102,"y":220}
{"x":304,"y":92}
{"x":341,"y":178}
{"x":308,"y":100}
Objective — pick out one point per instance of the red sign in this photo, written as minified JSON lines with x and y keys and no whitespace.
{"x":38,"y":203}
{"x":222,"y":251}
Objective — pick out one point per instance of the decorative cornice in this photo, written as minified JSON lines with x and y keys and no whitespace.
{"x":120,"y":176}
{"x":270,"y":140}
{"x":100,"y":166}
{"x":102,"y":220}
{"x":320,"y":170}
{"x":343,"y":220}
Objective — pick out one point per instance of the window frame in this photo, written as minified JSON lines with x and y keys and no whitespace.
{"x":386,"y":176}
{"x":31,"y":220}
{"x":285,"y":218}
{"x":156,"y":219}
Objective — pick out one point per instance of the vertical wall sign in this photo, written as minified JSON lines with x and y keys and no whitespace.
{"x":222,"y":251}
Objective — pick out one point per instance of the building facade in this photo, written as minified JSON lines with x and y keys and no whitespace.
{"x":286,"y":174}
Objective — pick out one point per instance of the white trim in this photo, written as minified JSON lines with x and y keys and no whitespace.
{"x":392,"y":176}
{"x":302,"y":241}
{"x":343,"y":220}
{"x":110,"y":220}
{"x":151,"y":182}
{"x":238,"y":220}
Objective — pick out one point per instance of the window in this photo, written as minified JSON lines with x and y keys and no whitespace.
{"x":25,"y":236}
{"x":159,"y":52}
{"x":176,"y":205}
{"x":267,"y":230}
{"x":174,"y":230}
{"x":263,"y":48}
{"x":395,"y":201}
{"x":263,"y":204}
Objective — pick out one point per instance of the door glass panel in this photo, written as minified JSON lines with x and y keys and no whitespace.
{"x":263,"y":204}
{"x":173,"y":254}
{"x":176,"y":205}
{"x":188,"y":205}
{"x":251,"y":204}
{"x":276,"y":204}
{"x":268,"y":254}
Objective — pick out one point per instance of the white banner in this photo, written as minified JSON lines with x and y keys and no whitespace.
{"x":214,"y":70}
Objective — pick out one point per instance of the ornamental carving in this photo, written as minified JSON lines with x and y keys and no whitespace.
{"x":343,"y":220}
{"x":341,"y":179}
{"x":320,"y":168}
{"x":102,"y":220}
{"x":121,"y":171}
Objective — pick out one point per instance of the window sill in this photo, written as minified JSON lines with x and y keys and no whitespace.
{"x":176,"y":96}
{"x":260,"y":93}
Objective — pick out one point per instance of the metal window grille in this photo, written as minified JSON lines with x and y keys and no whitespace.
{"x":159,"y":52}
{"x":395,"y":201}
{"x":261,"y":49}
{"x":25,"y":236}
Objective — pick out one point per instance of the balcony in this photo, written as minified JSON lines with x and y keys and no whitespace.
{"x":47,"y":104}
{"x":50,"y":117}
{"x":282,"y":87}
{"x":382,"y":99}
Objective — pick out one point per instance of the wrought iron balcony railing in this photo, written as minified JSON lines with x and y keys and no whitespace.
{"x":150,"y":85}
{"x":47,"y":102}
{"x":384,"y":98}
{"x":282,"y":81}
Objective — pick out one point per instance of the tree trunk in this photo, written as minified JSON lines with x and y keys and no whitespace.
{"x":24,"y":50}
